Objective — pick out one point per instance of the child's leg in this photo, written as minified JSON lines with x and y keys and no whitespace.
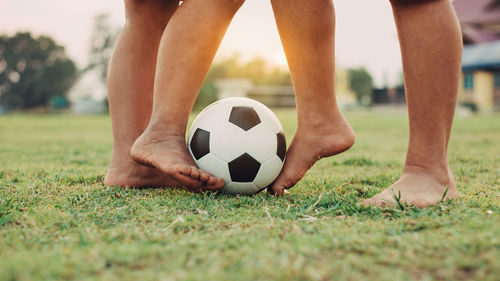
{"x":130,"y":83}
{"x":187,"y":48}
{"x":307,"y":33}
{"x":431,"y":46}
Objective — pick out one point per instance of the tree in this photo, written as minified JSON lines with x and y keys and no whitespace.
{"x":361,"y":84}
{"x":33,"y":71}
{"x":257,"y":70}
{"x":102,"y":42}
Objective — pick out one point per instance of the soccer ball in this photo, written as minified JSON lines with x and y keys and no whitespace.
{"x":241,"y":141}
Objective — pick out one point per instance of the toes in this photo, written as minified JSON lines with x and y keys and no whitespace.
{"x":372,"y":202}
{"x":367,"y":202}
{"x":286,"y":180}
{"x":215,"y":183}
{"x":181,"y":169}
{"x":188,"y":171}
{"x":277,"y":189}
{"x":279,"y":192}
{"x":188,"y":182}
{"x":375,"y":201}
{"x":197,"y":180}
{"x":204,"y":176}
{"x":194,"y":179}
{"x":211,"y":181}
{"x":280,"y":185}
{"x":195,"y":173}
{"x":219,"y":183}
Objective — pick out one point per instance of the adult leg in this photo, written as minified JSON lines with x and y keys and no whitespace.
{"x":130,"y":83}
{"x":187,"y":48}
{"x":307,"y":31}
{"x":431,"y":47}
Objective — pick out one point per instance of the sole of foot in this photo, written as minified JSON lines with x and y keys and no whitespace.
{"x":169,"y":154}
{"x":421,"y":187}
{"x":307,"y":147}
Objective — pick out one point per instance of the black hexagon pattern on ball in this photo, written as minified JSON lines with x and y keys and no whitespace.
{"x":243,"y":168}
{"x":200,"y":143}
{"x":281,"y":151}
{"x":244,"y":117}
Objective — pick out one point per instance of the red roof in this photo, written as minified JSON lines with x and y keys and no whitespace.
{"x":476,"y":14}
{"x":477,"y":11}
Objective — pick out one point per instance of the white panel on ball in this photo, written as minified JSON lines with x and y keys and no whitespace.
{"x":214,"y":166}
{"x":260,"y":142}
{"x":241,"y":142}
{"x":224,"y":147}
{"x":268,"y":172}
{"x":247,"y":188}
{"x":268,"y":117}
{"x":212,"y":118}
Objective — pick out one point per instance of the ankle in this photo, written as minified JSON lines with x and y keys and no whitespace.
{"x":326,"y":141}
{"x":438,"y":172}
{"x":120,"y":157}
{"x":427,"y":156}
{"x":164,"y":130}
{"x":167,"y":122}
{"x":327,"y":128}
{"x":313,"y":121}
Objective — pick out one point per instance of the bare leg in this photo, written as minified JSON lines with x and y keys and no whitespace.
{"x":431,"y":47}
{"x":130,"y":82}
{"x":187,"y":48}
{"x":307,"y":31}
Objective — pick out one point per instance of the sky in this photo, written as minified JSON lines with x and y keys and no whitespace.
{"x":365,"y":31}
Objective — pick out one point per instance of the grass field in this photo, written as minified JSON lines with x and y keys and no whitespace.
{"x":58,"y":221}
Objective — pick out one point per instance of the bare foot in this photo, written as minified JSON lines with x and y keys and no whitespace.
{"x":131,"y":174}
{"x":310,"y":144}
{"x":128,"y":173}
{"x":169,"y":154}
{"x":418,"y":186}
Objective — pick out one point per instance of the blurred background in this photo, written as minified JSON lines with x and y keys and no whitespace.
{"x":54,"y":56}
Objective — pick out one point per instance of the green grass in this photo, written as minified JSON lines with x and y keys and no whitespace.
{"x":58,"y":221}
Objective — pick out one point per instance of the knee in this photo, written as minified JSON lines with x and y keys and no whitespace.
{"x":152,"y":12}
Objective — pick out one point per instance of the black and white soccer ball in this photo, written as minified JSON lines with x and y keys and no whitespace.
{"x":241,"y":141}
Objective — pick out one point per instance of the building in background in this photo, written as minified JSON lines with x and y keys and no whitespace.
{"x":343,"y":91}
{"x":480,"y":79}
{"x":389,"y":96}
{"x":280,"y":95}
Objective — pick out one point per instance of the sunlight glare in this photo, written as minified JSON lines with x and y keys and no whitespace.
{"x":280,"y":58}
